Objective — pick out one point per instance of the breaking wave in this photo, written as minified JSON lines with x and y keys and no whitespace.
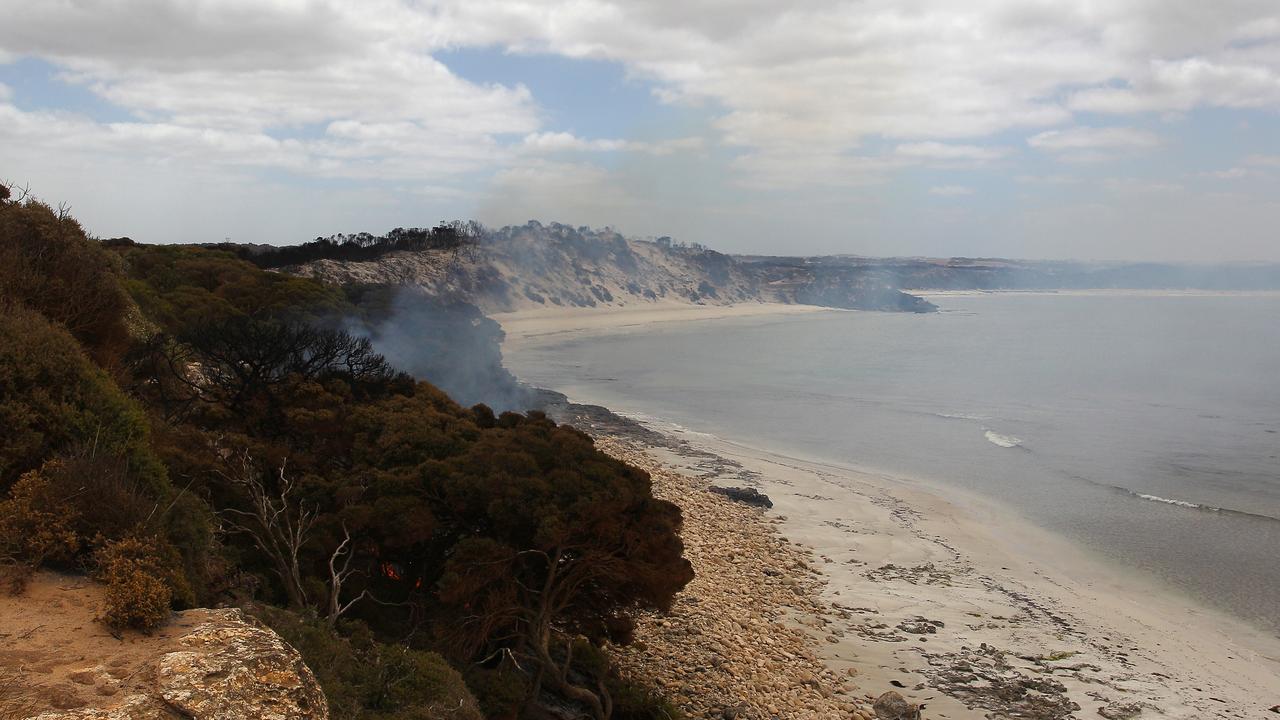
{"x":1004,"y":441}
{"x":1197,"y":506}
{"x":1179,"y":503}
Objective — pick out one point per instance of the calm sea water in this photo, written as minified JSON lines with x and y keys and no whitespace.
{"x":1147,"y":429}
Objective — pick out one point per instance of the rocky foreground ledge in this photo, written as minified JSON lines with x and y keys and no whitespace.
{"x":737,"y":644}
{"x":58,"y":663}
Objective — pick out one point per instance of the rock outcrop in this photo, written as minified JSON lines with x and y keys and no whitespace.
{"x":203,"y":665}
{"x":234,"y":667}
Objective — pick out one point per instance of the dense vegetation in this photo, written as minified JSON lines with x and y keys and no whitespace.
{"x":454,"y":236}
{"x":191,"y":429}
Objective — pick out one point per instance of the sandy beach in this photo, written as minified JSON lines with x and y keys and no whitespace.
{"x":550,"y":323}
{"x":949,"y":599}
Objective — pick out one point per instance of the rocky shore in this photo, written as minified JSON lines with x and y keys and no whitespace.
{"x":743,"y":640}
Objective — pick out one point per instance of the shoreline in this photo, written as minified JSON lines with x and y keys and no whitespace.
{"x":1040,"y":633}
{"x":1026,"y":623}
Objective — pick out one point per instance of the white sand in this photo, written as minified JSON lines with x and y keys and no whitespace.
{"x":995,"y":579}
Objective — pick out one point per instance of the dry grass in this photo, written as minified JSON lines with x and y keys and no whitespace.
{"x":18,"y":695}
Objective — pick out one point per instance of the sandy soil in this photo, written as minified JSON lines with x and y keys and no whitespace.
{"x":55,"y":654}
{"x":960,"y":604}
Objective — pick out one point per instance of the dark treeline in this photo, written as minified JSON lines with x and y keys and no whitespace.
{"x":192,"y":430}
{"x":455,"y":236}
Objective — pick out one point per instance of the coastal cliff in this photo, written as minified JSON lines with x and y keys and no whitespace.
{"x":543,"y":266}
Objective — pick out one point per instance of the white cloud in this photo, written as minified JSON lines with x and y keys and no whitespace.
{"x":1182,"y":85}
{"x":319,"y":88}
{"x":1234,"y":173}
{"x":950,"y":190}
{"x":827,"y":74}
{"x":797,"y":98}
{"x":950,"y":152}
{"x":1093,"y":138}
{"x":553,"y":142}
{"x":1140,"y":185}
{"x":1055,"y":179}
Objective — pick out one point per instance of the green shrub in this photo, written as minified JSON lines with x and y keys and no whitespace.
{"x":362,"y":678}
{"x":501,"y":692}
{"x":632,"y":701}
{"x":180,"y":287}
{"x":420,"y":685}
{"x":53,"y":398}
{"x":48,"y":265}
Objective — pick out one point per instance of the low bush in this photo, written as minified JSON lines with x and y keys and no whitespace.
{"x":632,"y":701}
{"x":362,"y":678}
{"x":418,"y":685}
{"x":135,"y":598}
{"x":35,"y":525}
{"x":144,"y":579}
{"x":501,"y":692}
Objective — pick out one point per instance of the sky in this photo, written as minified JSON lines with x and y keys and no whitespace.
{"x":1087,"y":129}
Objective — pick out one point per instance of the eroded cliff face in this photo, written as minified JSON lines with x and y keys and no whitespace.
{"x":58,"y":663}
{"x":537,"y":266}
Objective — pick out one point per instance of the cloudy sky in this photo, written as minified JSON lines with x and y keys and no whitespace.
{"x":1137,"y":129}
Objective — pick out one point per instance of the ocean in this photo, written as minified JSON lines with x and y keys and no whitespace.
{"x":1145,"y":429}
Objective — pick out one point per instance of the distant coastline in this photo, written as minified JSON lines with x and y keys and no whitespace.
{"x":1100,"y":292}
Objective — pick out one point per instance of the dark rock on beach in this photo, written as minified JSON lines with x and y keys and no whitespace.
{"x":750,"y":496}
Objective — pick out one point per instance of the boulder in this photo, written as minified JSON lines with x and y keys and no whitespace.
{"x":892,"y":706}
{"x":235,"y":667}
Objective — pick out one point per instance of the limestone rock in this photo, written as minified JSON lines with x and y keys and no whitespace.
{"x":234,"y":667}
{"x":135,"y":707}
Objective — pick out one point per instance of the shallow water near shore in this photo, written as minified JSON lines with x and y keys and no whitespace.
{"x":1146,"y":429}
